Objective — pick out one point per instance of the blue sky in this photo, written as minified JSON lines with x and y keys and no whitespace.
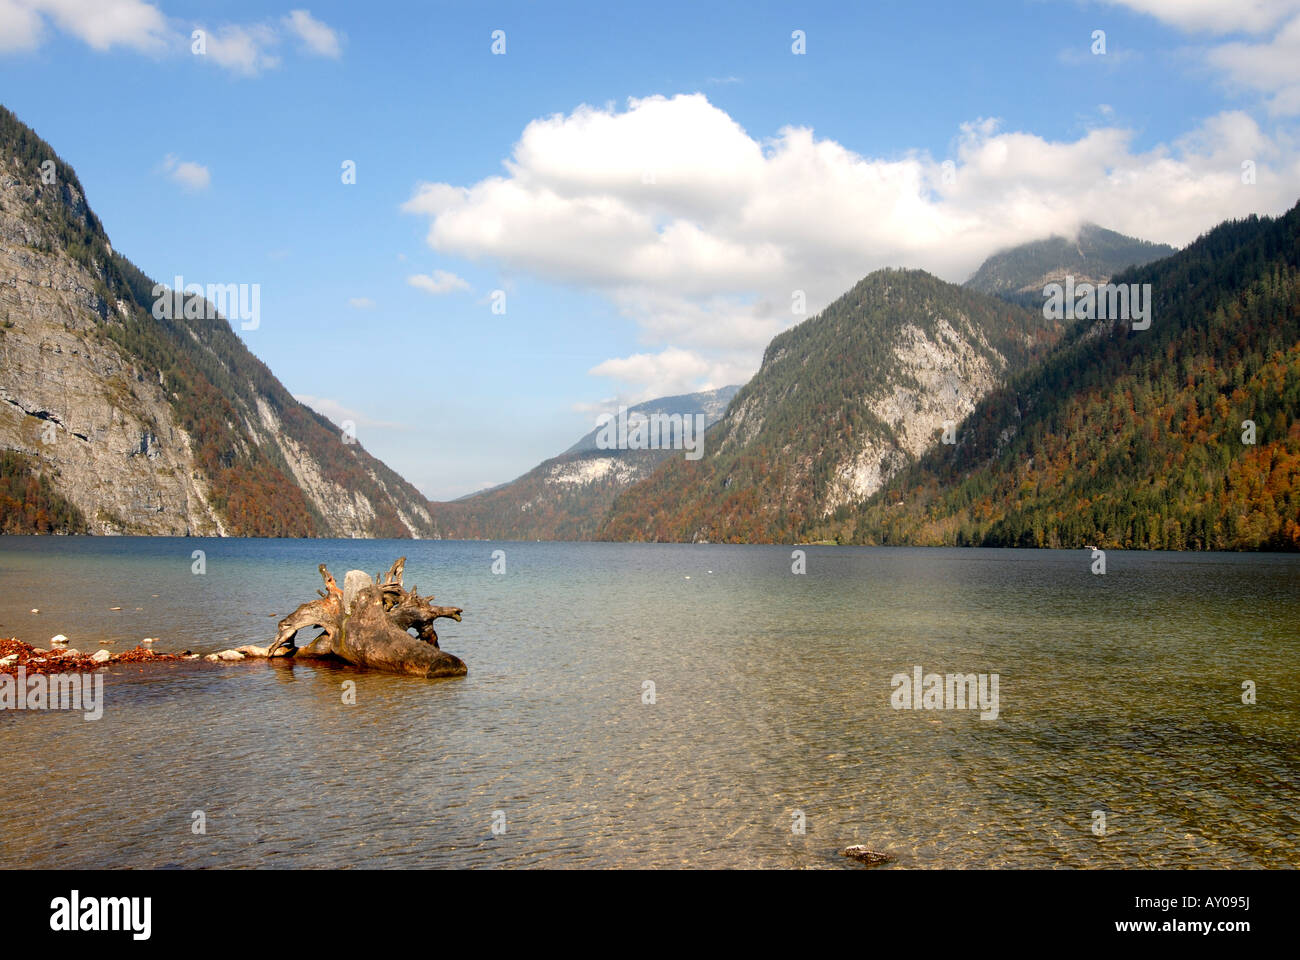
{"x":649,"y":185}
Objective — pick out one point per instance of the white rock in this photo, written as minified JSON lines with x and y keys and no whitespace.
{"x":34,"y":610}
{"x":58,"y":638}
{"x":101,"y":656}
{"x":71,"y":652}
{"x":8,"y":660}
{"x":354,"y":581}
{"x":147,"y":640}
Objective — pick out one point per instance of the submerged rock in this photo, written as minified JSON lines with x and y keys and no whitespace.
{"x":864,"y":855}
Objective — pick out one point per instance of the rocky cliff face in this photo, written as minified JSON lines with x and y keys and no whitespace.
{"x":148,"y":426}
{"x":101,"y":428}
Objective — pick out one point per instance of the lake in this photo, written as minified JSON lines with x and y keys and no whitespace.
{"x":656,"y":705}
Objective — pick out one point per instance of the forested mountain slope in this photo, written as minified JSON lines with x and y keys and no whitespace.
{"x":118,"y":422}
{"x":841,"y":403}
{"x":1134,"y":438}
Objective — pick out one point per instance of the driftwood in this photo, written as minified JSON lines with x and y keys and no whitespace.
{"x":367,"y":625}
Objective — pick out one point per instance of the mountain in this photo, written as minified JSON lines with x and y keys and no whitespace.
{"x":1094,"y":255}
{"x":567,"y":496}
{"x":1134,"y":438}
{"x":841,"y":403}
{"x":711,"y":403}
{"x":115,"y":421}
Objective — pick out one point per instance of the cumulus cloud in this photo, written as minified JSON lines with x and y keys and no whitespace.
{"x":711,"y":239}
{"x":190,"y":175}
{"x":439,"y":282}
{"x":315,"y":36}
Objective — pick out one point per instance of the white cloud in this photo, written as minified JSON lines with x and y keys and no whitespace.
{"x":21,"y":27}
{"x":1216,"y":16}
{"x":706,"y":235}
{"x":246,"y":49}
{"x":670,"y":371}
{"x":316,"y":37}
{"x":101,"y":24}
{"x":361,"y":303}
{"x":440,"y":282}
{"x":340,"y":414}
{"x":1269,"y":65}
{"x":190,"y":175}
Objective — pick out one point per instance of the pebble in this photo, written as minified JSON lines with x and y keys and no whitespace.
{"x":34,"y":610}
{"x":58,"y":638}
{"x":101,"y":656}
{"x":115,"y":608}
{"x":147,"y":640}
{"x":8,"y":660}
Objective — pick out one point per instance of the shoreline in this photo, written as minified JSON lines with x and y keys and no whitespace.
{"x":15,"y":653}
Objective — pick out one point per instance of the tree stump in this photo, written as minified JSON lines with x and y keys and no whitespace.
{"x":367,"y":624}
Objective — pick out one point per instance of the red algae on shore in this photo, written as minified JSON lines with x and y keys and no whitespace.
{"x":68,"y":661}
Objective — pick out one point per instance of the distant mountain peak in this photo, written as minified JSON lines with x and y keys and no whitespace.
{"x":1091,"y":253}
{"x":567,"y":496}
